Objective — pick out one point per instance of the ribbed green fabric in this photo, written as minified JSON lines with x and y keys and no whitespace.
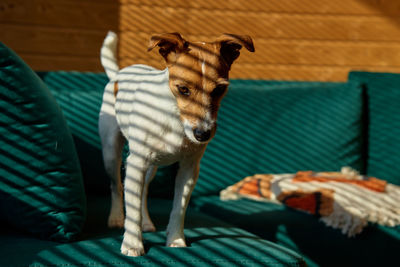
{"x":383,"y":118}
{"x":281,"y":127}
{"x":212,"y":243}
{"x":41,"y":187}
{"x":264,"y":126}
{"x":319,"y":244}
{"x":80,"y":96}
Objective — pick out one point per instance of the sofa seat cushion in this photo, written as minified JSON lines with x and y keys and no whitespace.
{"x":211,"y":242}
{"x":41,"y":187}
{"x":317,"y":243}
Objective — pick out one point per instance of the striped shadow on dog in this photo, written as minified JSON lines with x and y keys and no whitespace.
{"x":166,"y":116}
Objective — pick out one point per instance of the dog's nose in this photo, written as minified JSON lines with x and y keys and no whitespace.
{"x":201,"y":135}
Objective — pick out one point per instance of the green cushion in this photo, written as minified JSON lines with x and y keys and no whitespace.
{"x":212,"y":242}
{"x":80,"y":96}
{"x":281,"y":127}
{"x":318,"y":244}
{"x":41,"y":189}
{"x":383,"y":105}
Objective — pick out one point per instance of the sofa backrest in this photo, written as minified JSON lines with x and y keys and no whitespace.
{"x":263,"y":127}
{"x":283,"y":127}
{"x":383,"y":118}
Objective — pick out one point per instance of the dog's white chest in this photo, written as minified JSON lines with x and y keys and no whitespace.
{"x":147,"y":113}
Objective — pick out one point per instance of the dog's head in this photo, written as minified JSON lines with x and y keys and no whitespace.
{"x":199,"y":77}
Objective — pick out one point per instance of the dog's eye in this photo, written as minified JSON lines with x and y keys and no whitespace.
{"x":183,"y":90}
{"x":218,"y":91}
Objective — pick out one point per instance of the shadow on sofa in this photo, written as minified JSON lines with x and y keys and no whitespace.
{"x":301,"y":232}
{"x":211,"y":242}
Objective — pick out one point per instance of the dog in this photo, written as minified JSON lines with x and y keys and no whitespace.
{"x":166,"y":116}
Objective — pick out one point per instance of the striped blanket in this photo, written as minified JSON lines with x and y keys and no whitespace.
{"x":344,"y":200}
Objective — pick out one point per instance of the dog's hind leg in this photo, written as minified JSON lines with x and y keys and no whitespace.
{"x":147,"y":224}
{"x":113,"y":142}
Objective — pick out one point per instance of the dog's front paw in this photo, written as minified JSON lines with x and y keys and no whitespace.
{"x":136,"y":251}
{"x":177,"y":243}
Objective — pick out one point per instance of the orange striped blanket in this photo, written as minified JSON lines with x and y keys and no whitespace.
{"x":344,"y":200}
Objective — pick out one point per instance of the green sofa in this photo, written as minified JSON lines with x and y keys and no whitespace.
{"x":264,"y":127}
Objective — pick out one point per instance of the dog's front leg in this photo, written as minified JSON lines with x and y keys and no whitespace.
{"x":185,"y":181}
{"x":132,"y":244}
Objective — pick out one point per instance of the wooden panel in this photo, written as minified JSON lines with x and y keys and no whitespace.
{"x":50,"y":40}
{"x":317,"y":53}
{"x":289,"y":72}
{"x":256,"y":24}
{"x":344,"y":7}
{"x":60,"y":62}
{"x":294,"y":39}
{"x":61,"y":13}
{"x":157,"y":3}
{"x":322,"y":53}
{"x":153,"y":19}
{"x":305,"y":73}
{"x":58,"y":34}
{"x":288,"y":26}
{"x":348,"y":7}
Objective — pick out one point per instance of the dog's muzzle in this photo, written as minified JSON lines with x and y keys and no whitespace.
{"x":200,"y":133}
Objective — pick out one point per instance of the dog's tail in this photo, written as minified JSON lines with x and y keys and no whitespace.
{"x":108,"y":55}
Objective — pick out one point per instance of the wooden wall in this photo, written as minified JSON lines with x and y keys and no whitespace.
{"x":294,"y":39}
{"x":58,"y":34}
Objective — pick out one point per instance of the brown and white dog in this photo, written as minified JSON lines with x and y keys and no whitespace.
{"x":166,"y":116}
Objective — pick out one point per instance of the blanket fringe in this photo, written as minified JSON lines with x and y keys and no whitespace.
{"x":350,"y":221}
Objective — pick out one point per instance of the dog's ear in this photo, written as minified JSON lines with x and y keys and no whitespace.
{"x":170,"y":44}
{"x":231,"y":45}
